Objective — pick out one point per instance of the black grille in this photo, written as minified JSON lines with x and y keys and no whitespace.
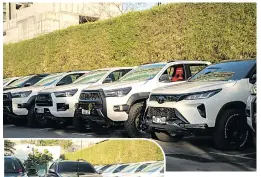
{"x":90,"y":96}
{"x":169,"y":113}
{"x":43,"y":100}
{"x":91,"y":106}
{"x":7,"y":102}
{"x":165,"y":98}
{"x":6,"y":97}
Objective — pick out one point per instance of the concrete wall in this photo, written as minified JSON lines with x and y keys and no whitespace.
{"x":42,"y":18}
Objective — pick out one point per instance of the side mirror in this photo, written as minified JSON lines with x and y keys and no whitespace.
{"x":27,"y":84}
{"x":107,"y":80}
{"x":60,"y":83}
{"x":51,"y":171}
{"x":252,"y":80}
{"x":165,"y":78}
{"x":32,"y":171}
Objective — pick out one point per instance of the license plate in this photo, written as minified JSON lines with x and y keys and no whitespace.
{"x":86,"y":112}
{"x":159,"y":120}
{"x":40,"y":110}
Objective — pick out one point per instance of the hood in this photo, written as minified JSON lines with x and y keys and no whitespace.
{"x":74,"y":174}
{"x":191,"y":87}
{"x":66,"y":87}
{"x":23,"y":89}
{"x":9,"y":88}
{"x":118,"y":85}
{"x":12,"y":174}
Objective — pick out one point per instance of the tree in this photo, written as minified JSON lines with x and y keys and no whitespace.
{"x":9,"y":147}
{"x":65,"y":144}
{"x":38,"y":158}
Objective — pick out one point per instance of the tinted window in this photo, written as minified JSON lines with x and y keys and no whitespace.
{"x":20,"y":82}
{"x":142,"y":167}
{"x":116,"y":75}
{"x":70,"y":78}
{"x":12,"y":166}
{"x":225,"y":71}
{"x":75,"y":167}
{"x":119,"y":168}
{"x":104,"y":168}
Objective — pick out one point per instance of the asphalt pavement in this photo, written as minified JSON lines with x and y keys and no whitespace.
{"x":189,"y":154}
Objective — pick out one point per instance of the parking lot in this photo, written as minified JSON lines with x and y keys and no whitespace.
{"x":190,"y":154}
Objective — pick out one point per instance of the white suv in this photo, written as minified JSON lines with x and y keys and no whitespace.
{"x":108,"y":105}
{"x":212,"y":100}
{"x":19,"y":103}
{"x":56,"y":106}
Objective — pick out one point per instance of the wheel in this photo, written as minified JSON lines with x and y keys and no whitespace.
{"x":231,"y":131}
{"x":100,"y":129}
{"x":133,"y":124}
{"x":79,"y":124}
{"x":7,"y":119}
{"x":31,"y":122}
{"x":165,"y":137}
{"x":41,"y":121}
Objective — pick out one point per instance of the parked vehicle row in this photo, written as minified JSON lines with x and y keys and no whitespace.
{"x":168,"y":100}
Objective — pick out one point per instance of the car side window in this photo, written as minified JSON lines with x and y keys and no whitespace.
{"x":35,"y":79}
{"x":175,"y":72}
{"x":53,"y":166}
{"x":195,"y":68}
{"x":69,"y":79}
{"x":116,"y":75}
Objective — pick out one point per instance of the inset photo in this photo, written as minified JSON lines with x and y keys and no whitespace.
{"x":83,"y":158}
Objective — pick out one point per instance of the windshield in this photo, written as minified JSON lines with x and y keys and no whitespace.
{"x":49,"y":79}
{"x":91,"y":77}
{"x":144,"y":72}
{"x":20,"y":82}
{"x":130,"y":168}
{"x":6,"y":80}
{"x":12,"y":166}
{"x":225,"y":71}
{"x":75,"y":167}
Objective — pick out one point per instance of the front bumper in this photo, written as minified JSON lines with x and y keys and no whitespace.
{"x":98,"y":108}
{"x":57,"y":108}
{"x":251,"y":112}
{"x":174,"y":123}
{"x":15,"y":108}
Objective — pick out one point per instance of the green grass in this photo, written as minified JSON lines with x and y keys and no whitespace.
{"x":208,"y":31}
{"x":119,"y":151}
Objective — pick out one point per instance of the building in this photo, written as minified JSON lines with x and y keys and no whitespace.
{"x":28,"y":20}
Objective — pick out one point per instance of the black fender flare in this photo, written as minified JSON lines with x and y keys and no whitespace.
{"x":30,"y":102}
{"x":137,"y":97}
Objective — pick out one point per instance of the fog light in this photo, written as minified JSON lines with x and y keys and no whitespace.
{"x":119,"y":108}
{"x":62,"y":107}
{"x":202,"y":110}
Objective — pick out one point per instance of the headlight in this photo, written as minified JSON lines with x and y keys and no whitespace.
{"x":21,"y":94}
{"x":66,"y":93}
{"x":202,"y":95}
{"x":117,"y":92}
{"x":253,"y":90}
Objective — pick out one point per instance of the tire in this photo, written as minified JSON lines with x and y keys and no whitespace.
{"x":6,"y":119}
{"x":41,"y":122}
{"x":31,"y":122}
{"x":231,"y":131}
{"x":165,"y":137}
{"x":79,"y":124}
{"x":131,"y":126}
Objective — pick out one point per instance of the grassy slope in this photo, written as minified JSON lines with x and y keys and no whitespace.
{"x":210,"y":31}
{"x":119,"y":151}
